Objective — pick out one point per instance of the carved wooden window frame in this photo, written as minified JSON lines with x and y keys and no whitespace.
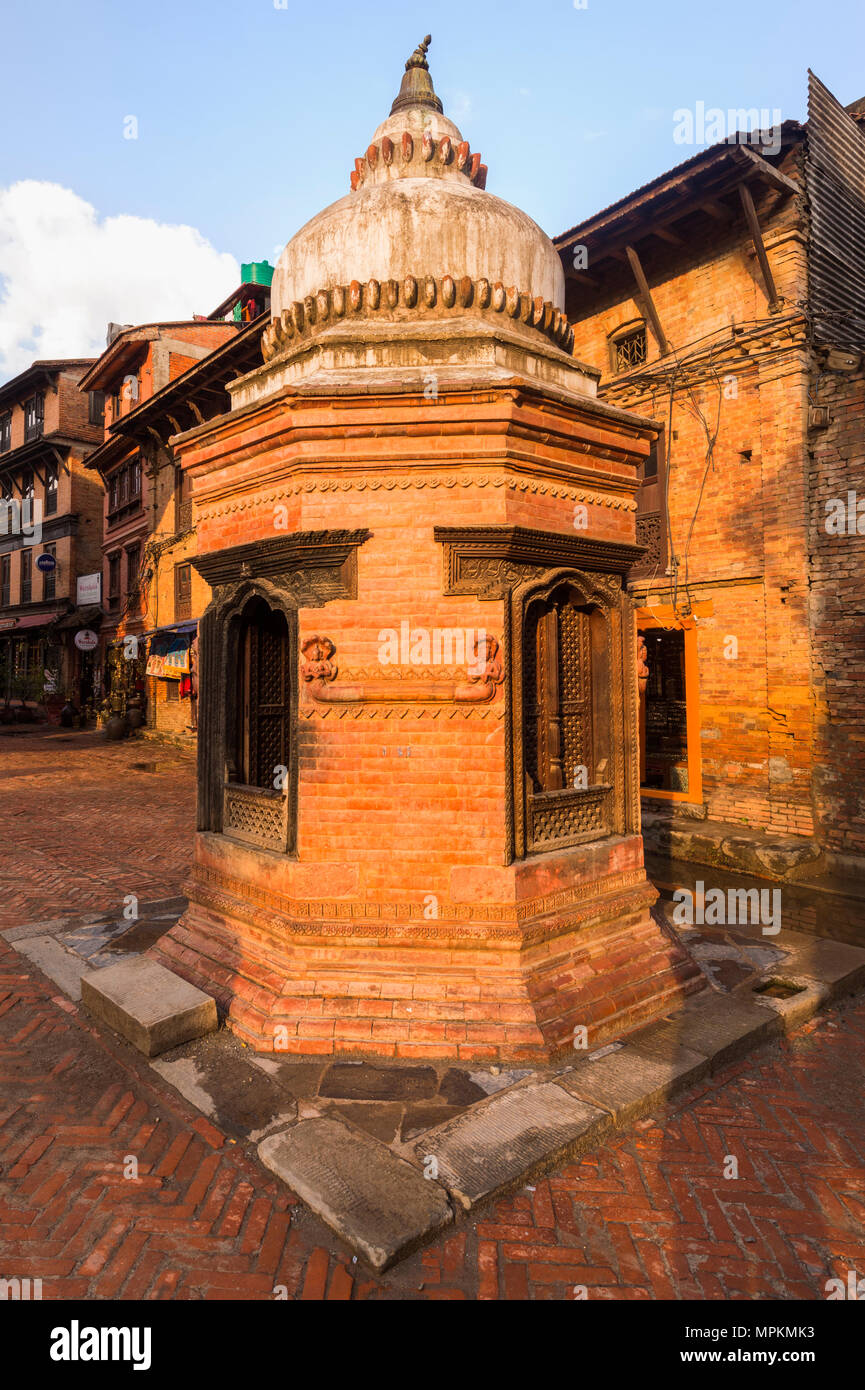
{"x":299,"y":570}
{"x":611,"y":806}
{"x":620,"y":335}
{"x":251,"y":812}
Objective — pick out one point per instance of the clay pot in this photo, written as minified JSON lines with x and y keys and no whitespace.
{"x":68,"y":715}
{"x":116,"y":727}
{"x":134,"y":715}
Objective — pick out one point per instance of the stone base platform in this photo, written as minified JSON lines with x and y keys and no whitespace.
{"x":510,"y":990}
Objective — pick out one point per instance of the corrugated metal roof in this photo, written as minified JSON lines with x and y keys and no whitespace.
{"x":835,"y":179}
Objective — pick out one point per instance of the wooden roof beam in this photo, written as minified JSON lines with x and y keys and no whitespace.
{"x":765,"y":170}
{"x":759,"y":246}
{"x":643,"y":286}
{"x":717,"y":210}
{"x":582,"y":277}
{"x":667,"y":234}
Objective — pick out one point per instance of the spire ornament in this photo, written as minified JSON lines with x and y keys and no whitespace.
{"x":417,"y":88}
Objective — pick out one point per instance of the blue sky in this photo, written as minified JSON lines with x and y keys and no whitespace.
{"x":250,"y":112}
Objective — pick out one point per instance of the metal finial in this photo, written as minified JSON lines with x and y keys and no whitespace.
{"x":417,"y":88}
{"x":418,"y":58}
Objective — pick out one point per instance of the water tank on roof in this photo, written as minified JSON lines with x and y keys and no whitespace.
{"x":256,"y":273}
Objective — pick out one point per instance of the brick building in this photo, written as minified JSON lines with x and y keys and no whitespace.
{"x":177,"y":594}
{"x":725,"y":300}
{"x":50,"y":511}
{"x":137,"y":363}
{"x":162,"y":379}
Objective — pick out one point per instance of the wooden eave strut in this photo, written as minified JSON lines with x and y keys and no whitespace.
{"x":757,"y":238}
{"x":646,"y":293}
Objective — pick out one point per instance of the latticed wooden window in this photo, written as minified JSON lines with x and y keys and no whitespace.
{"x":264,"y":699}
{"x":566,"y":795}
{"x":630,"y":350}
{"x":558,"y":666}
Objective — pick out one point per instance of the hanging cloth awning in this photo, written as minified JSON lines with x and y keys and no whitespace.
{"x":31,"y":620}
{"x":169,"y":654}
{"x":187,"y":628}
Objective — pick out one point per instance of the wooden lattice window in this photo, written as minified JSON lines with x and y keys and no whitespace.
{"x":628,"y":346}
{"x":629,"y":350}
{"x":558,"y":665}
{"x":565,"y":723}
{"x":256,"y":796}
{"x":263,"y":703}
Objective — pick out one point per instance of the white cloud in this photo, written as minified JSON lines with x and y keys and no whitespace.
{"x":65,"y":274}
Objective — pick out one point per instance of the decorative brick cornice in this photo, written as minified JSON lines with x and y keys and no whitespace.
{"x":535,"y":486}
{"x":394,"y":708}
{"x":422,"y":294}
{"x":386,"y":153}
{"x":612,"y":895}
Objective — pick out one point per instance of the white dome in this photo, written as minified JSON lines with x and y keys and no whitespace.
{"x":418,"y":208}
{"x":418,"y":227}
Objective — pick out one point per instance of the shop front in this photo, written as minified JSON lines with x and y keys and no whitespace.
{"x":171,"y":681}
{"x":29,"y":667}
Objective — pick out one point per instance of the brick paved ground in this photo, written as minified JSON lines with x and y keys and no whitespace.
{"x":651,"y":1216}
{"x":80,"y":826}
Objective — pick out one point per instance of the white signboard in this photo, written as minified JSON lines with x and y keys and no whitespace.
{"x":88,"y":589}
{"x":86,"y":641}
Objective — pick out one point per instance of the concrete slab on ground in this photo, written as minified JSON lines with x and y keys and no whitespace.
{"x":630,"y":1082}
{"x":496,"y":1143}
{"x":215,"y":1076}
{"x":379,"y":1203}
{"x":150,"y":1006}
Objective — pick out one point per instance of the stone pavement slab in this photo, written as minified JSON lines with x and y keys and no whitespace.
{"x":379,"y":1203}
{"x":500,"y":1141}
{"x":64,"y":967}
{"x":150,"y":1006}
{"x":831,"y":962}
{"x":718,"y":1026}
{"x":629,"y":1083}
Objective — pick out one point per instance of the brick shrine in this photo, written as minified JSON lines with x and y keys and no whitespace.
{"x":418,"y":823}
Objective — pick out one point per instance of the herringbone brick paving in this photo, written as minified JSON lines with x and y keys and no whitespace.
{"x":650,"y":1216}
{"x":80,"y":827}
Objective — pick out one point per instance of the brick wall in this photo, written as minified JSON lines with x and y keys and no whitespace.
{"x":837,"y":605}
{"x":739,"y":520}
{"x":74,"y":408}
